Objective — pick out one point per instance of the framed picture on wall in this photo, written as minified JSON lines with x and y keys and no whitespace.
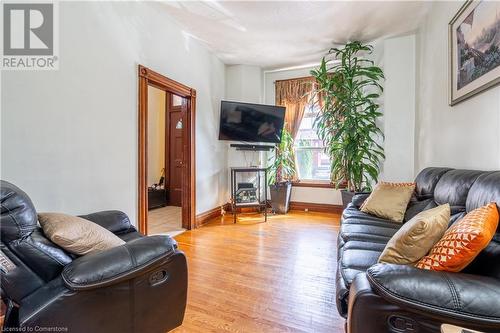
{"x":474,"y":42}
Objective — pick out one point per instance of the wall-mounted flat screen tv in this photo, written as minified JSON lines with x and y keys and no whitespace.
{"x":251,"y":122}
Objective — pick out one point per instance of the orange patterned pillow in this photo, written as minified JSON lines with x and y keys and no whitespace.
{"x":463,"y":241}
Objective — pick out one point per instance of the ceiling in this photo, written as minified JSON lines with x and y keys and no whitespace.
{"x":277,"y":34}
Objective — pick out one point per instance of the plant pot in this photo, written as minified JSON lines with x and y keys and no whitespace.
{"x":347,"y":197}
{"x":280,"y":197}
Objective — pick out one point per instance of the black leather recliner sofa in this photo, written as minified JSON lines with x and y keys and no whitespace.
{"x":140,"y":286}
{"x":381,"y":298}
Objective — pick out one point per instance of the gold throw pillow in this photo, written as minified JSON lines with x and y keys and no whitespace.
{"x":77,"y":235}
{"x":417,"y":236}
{"x":389,"y":200}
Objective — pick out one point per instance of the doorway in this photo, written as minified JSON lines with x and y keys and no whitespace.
{"x":166,"y":154}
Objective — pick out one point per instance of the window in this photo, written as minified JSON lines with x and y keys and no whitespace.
{"x":313,"y":163}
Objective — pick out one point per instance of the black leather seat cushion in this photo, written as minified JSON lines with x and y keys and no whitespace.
{"x":353,"y":215}
{"x":354,"y":257}
{"x":362,"y":238}
{"x":375,"y":234}
{"x":357,"y":257}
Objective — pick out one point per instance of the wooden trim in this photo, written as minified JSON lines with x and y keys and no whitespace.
{"x":228,"y":208}
{"x":297,"y":78}
{"x":309,"y":183}
{"x":316,"y":207}
{"x":164,"y":83}
{"x":209,"y":215}
{"x":204,"y":218}
{"x":148,"y":77}
{"x":189,"y":180}
{"x":168,"y":103}
{"x":312,"y":184}
{"x":142,"y":155}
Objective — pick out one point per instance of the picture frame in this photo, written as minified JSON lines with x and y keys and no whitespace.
{"x":474,"y":52}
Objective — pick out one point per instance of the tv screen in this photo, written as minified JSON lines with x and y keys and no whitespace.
{"x":251,"y":122}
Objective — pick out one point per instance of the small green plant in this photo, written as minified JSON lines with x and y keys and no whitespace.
{"x":349,"y":86}
{"x":282,"y":166}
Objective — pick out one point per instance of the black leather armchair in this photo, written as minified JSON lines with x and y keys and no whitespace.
{"x":140,"y":286}
{"x":380,"y":298}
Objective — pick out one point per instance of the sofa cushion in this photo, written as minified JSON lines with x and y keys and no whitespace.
{"x":463,"y":241}
{"x":354,"y":258}
{"x":426,"y":182}
{"x":389,"y":200}
{"x":18,"y":215}
{"x":484,"y":190}
{"x":417,"y":236}
{"x":415,"y":207}
{"x":357,"y":256}
{"x":365,"y":238}
{"x":77,"y":235}
{"x":375,"y":233}
{"x":453,"y":188}
{"x":352,"y":215}
{"x":44,"y":258}
{"x":359,"y":199}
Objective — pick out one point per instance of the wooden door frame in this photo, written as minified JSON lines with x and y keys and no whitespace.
{"x":148,"y":77}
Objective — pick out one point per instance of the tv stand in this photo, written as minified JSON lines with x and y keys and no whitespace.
{"x":251,"y":147}
{"x":249,"y":193}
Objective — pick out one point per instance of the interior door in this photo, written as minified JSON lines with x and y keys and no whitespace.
{"x":177,"y":120}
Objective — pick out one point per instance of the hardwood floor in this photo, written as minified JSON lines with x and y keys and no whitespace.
{"x":254,"y":277}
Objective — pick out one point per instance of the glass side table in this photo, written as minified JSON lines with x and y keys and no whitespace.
{"x":248,"y":189}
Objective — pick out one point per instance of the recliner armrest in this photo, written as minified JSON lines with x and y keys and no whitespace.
{"x":461,"y":296}
{"x":112,"y":220}
{"x":100,"y":269}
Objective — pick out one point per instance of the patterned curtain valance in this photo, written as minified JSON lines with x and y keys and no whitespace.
{"x":294,"y":90}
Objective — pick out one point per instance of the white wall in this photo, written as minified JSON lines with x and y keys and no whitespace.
{"x":69,"y":137}
{"x":244,"y":84}
{"x":399,"y":109}
{"x":156,"y":133}
{"x":466,"y":135}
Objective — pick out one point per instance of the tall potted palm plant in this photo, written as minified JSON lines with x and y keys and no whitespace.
{"x":349,"y":86}
{"x":281,"y":172}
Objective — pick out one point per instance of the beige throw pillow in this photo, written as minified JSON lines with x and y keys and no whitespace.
{"x":389,"y":200}
{"x":417,"y":236}
{"x":77,"y":235}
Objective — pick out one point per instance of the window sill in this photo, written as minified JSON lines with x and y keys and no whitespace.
{"x":312,"y":183}
{"x":317,"y":184}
